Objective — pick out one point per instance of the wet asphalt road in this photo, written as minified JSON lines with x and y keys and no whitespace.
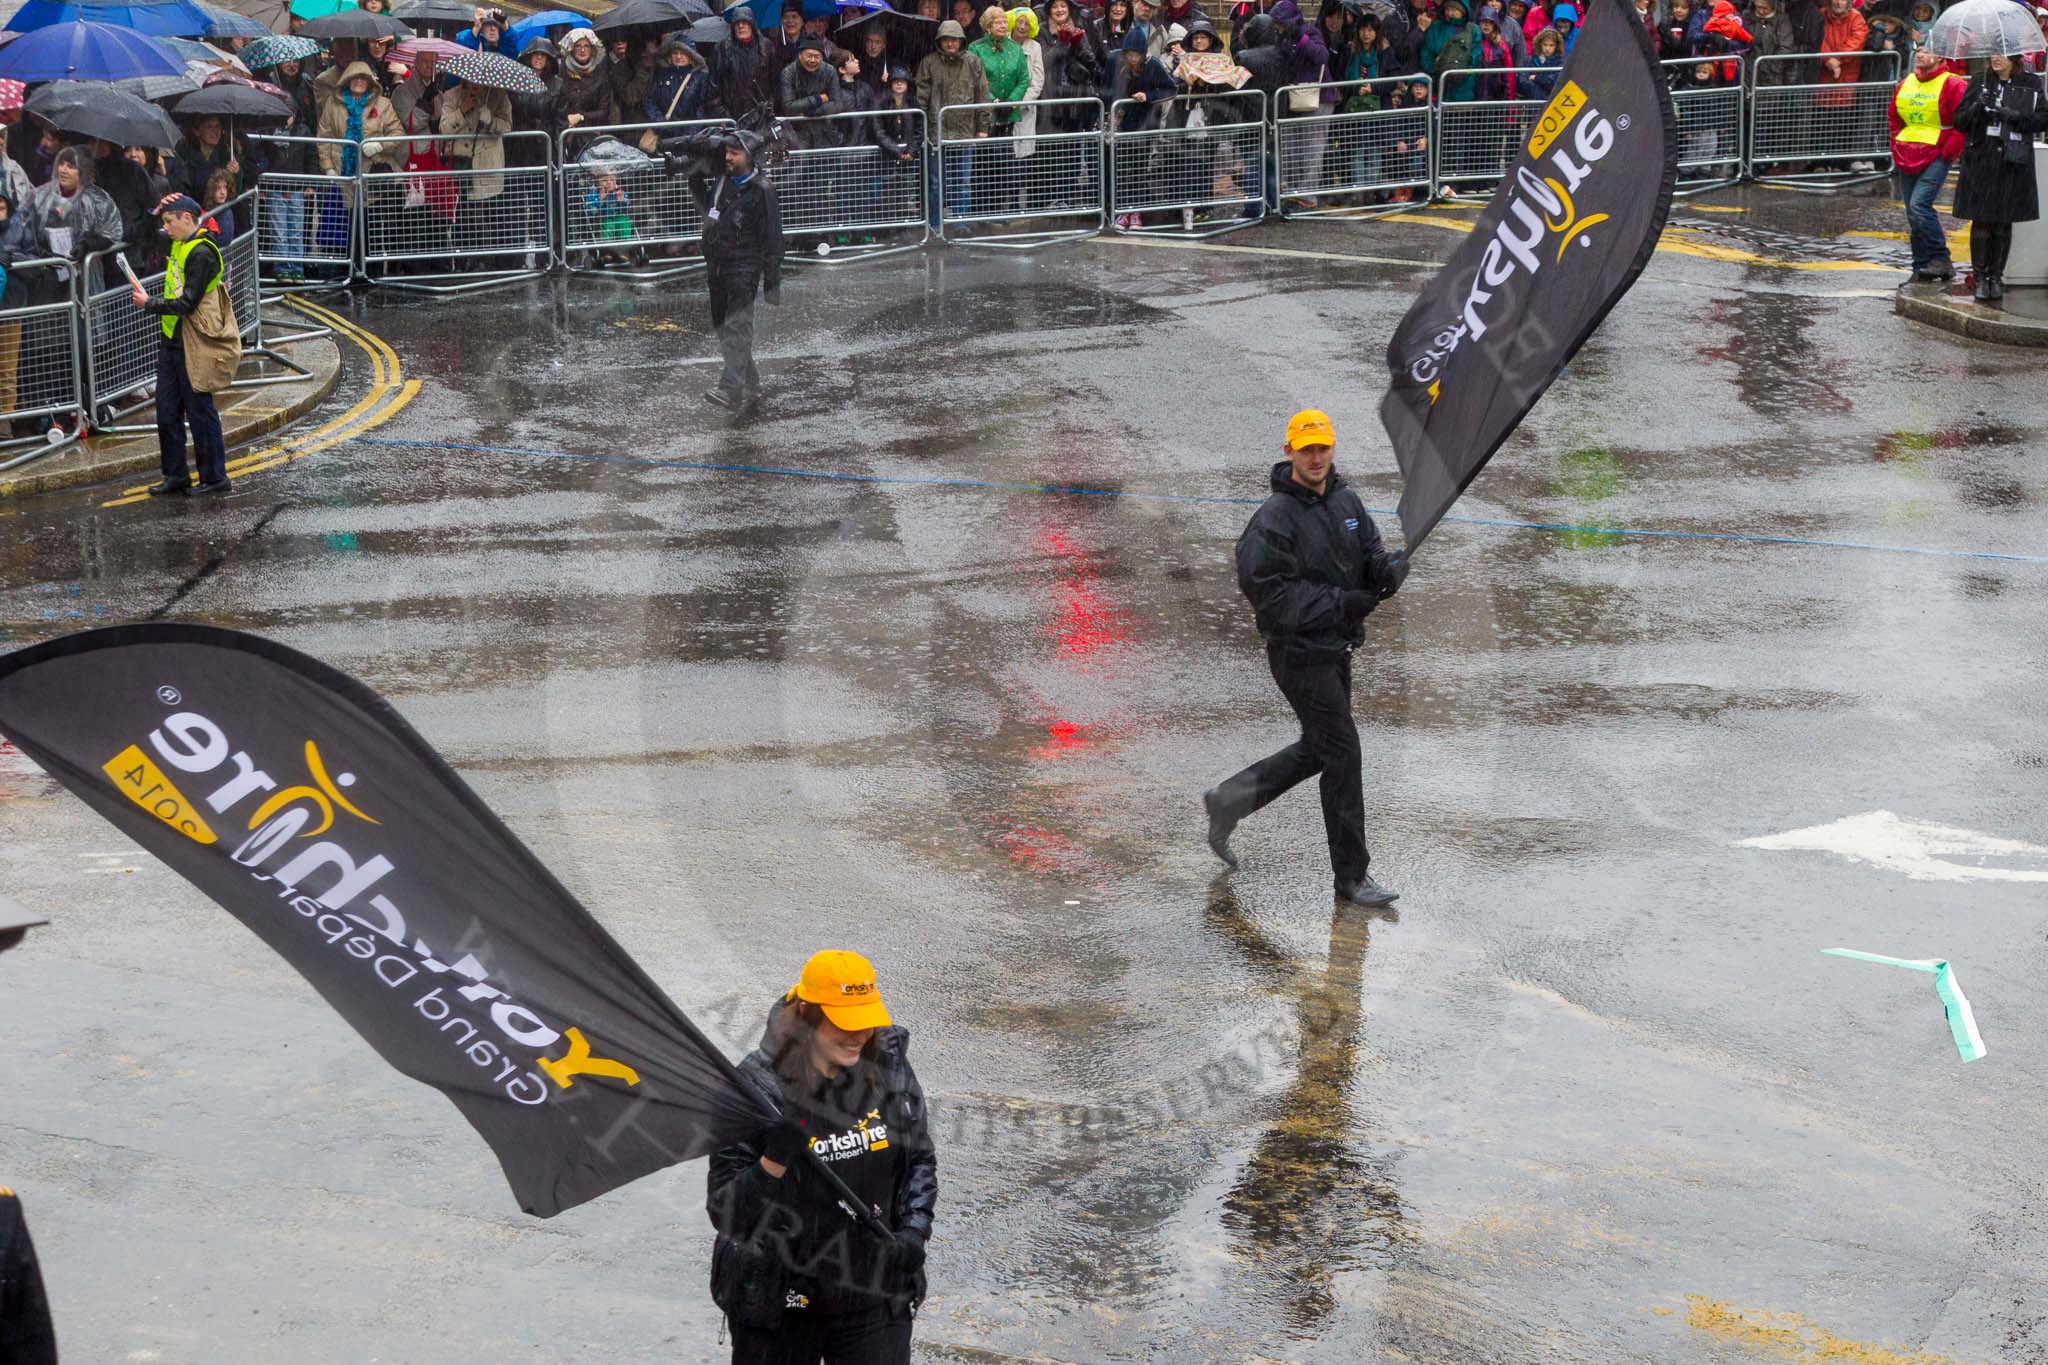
{"x":1591,"y":1094}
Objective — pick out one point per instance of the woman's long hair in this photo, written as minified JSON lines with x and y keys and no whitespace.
{"x":787,"y":1044}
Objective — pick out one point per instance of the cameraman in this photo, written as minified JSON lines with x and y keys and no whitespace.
{"x":742,"y":247}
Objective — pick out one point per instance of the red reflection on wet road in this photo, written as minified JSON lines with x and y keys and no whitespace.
{"x":1061,"y":737}
{"x":1084,"y":621}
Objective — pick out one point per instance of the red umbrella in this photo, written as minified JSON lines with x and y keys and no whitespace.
{"x":12,"y":93}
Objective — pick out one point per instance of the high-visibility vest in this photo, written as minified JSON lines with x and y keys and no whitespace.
{"x":174,"y":275}
{"x":1919,"y":106}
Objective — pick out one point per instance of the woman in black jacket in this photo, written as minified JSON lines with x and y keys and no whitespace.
{"x":2000,"y":115}
{"x":798,"y":1280}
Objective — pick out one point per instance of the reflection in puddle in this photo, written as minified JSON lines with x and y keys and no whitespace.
{"x":1307,"y":1206}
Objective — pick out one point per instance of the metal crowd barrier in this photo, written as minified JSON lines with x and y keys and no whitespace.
{"x":1207,"y":155}
{"x":1478,"y":140}
{"x":1817,"y":134}
{"x":40,"y":376}
{"x":1710,"y":122}
{"x":120,"y":339}
{"x":992,"y":190}
{"x":307,"y":221}
{"x":420,"y":228}
{"x":1362,"y":156}
{"x":846,"y":189}
{"x":621,"y":212}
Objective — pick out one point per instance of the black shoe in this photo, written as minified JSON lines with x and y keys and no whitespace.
{"x":1366,"y":891}
{"x":1982,"y":293}
{"x":209,"y":489}
{"x":1997,"y":287}
{"x":169,"y":486}
{"x":718,"y":399}
{"x":1220,"y":825}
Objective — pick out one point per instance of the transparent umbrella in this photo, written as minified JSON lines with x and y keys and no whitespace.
{"x":1986,"y":28}
{"x":609,"y":151}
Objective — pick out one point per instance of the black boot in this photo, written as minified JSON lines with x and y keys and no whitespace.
{"x":1220,"y":825}
{"x":1997,"y":288}
{"x":168,"y":486}
{"x":1366,"y":891}
{"x":1982,"y":293}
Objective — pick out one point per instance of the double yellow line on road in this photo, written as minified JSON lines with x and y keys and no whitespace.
{"x":388,"y":394}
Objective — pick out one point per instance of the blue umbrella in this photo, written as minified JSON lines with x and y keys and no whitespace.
{"x":228,"y":24}
{"x":156,"y":18}
{"x":536,"y":25}
{"x":85,"y":52}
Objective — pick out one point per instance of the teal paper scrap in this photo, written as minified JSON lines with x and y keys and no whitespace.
{"x":1962,"y":1024}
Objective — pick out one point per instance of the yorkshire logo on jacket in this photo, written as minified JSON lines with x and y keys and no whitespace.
{"x":1570,"y":228}
{"x":303,"y":804}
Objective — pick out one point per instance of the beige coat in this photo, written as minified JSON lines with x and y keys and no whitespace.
{"x":383,"y":134}
{"x":479,"y":138}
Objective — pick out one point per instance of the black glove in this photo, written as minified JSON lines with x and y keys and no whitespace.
{"x":1356,"y":606}
{"x":906,"y":1252}
{"x":773,"y":293}
{"x":784,"y":1144}
{"x":1397,"y":571}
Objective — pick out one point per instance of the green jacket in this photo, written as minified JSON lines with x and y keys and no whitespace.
{"x":1008,"y":75}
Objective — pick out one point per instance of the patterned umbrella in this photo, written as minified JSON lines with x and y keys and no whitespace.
{"x":494,"y":71}
{"x":278,"y":47}
{"x":11,"y":95}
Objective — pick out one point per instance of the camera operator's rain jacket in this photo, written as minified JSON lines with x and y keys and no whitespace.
{"x":786,"y":1244}
{"x":1299,"y":555}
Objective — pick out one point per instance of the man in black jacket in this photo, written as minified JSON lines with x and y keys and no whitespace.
{"x":1312,"y":564}
{"x":742,"y":249}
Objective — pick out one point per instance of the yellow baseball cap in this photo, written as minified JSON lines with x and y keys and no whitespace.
{"x":1310,"y":427}
{"x":843,"y":985}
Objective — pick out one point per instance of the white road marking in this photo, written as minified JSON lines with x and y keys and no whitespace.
{"x":1925,"y":852}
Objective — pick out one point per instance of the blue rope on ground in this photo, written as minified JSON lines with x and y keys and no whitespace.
{"x":840,"y":476}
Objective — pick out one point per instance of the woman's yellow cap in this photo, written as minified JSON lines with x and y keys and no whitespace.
{"x":843,"y":985}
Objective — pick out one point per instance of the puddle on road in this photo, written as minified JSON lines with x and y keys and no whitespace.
{"x":1309,"y":1206}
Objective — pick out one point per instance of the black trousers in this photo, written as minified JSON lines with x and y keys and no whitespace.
{"x":1320,"y":693}
{"x":732,"y":314}
{"x":176,"y":402}
{"x":872,"y":1336}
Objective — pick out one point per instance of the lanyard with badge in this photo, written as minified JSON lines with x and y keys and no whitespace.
{"x":711,"y":214}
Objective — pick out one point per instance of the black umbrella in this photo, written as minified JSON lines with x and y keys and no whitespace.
{"x":705,"y":32}
{"x":355,"y":23}
{"x":96,"y":109}
{"x":662,"y":14}
{"x":230,"y":100}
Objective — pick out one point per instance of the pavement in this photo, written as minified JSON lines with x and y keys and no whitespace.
{"x":932,"y":660}
{"x":246,"y":414}
{"x":2020,"y":319}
